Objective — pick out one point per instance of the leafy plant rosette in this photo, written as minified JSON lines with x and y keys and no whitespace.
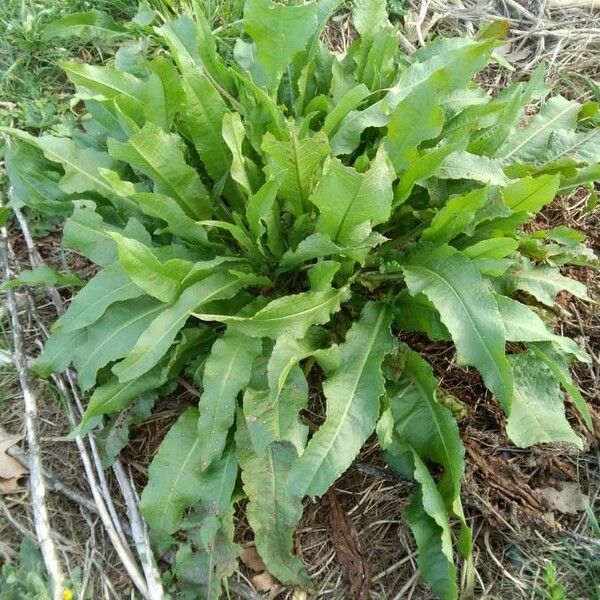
{"x":270,"y":224}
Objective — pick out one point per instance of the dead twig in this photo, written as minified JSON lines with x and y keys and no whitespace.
{"x":36,"y":480}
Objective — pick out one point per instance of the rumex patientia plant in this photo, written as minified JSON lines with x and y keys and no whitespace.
{"x":276,"y":220}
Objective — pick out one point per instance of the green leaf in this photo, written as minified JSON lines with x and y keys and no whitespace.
{"x":160,"y":333}
{"x":168,"y":210}
{"x":522,"y":324}
{"x":537,"y":414}
{"x":33,"y":180}
{"x":279,"y":32}
{"x":531,"y":194}
{"x":233,"y":133}
{"x":176,"y":480}
{"x":455,"y":216}
{"x":352,"y":394}
{"x":543,"y":283}
{"x":260,"y":210}
{"x":417,"y":313}
{"x":279,"y":392}
{"x":559,"y":367}
{"x":299,"y":159}
{"x":108,"y":83}
{"x":428,"y":520}
{"x":290,"y":314}
{"x":415,"y":119}
{"x":369,"y":16}
{"x":162,"y":280}
{"x":467,"y":308}
{"x":348,"y":200}
{"x":426,"y":166}
{"x":273,"y":511}
{"x":113,"y":336}
{"x":427,"y":426}
{"x":205,"y":110}
{"x":529,"y":143}
{"x":226,"y":372}
{"x":159,"y":156}
{"x":58,"y":352}
{"x":93,"y":25}
{"x":80,"y":164}
{"x":491,"y":249}
{"x":87,"y":233}
{"x":459,"y":64}
{"x":42,"y":275}
{"x":582,"y":147}
{"x":464,"y":165}
{"x":114,"y":396}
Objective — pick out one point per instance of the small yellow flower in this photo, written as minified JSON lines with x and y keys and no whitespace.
{"x":67,"y":594}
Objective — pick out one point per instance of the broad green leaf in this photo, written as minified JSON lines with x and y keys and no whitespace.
{"x":58,"y":352}
{"x":299,"y":159}
{"x":467,"y":308}
{"x":226,"y":373}
{"x":428,"y":426}
{"x":163,"y":95}
{"x":113,"y":336}
{"x":320,"y":275}
{"x":87,"y":233}
{"x":491,"y":249}
{"x":261,"y":213}
{"x":279,"y":31}
{"x":455,"y":216}
{"x":369,"y":16}
{"x":205,"y":110}
{"x":348,"y":200}
{"x":352,"y":394}
{"x":168,"y":210}
{"x":234,"y":133}
{"x":287,"y":315}
{"x":428,"y":521}
{"x":210,"y":527}
{"x":158,"y":336}
{"x":273,"y":511}
{"x":543,"y":283}
{"x":176,"y":480}
{"x":279,"y":392}
{"x":426,"y":166}
{"x":159,"y":156}
{"x":529,"y":143}
{"x":114,"y":396}
{"x":417,"y":313}
{"x":80,"y":164}
{"x":319,"y":245}
{"x":417,"y":118}
{"x":522,"y":324}
{"x":459,"y":65}
{"x":559,"y":367}
{"x":93,"y":25}
{"x":108,"y":83}
{"x":107,"y":287}
{"x":34,"y":181}
{"x":161,"y":280}
{"x":537,"y":414}
{"x":41,"y":275}
{"x":531,"y":194}
{"x":349,"y":101}
{"x":582,"y":147}
{"x":464,"y":165}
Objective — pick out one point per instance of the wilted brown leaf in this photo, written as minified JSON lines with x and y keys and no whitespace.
{"x":11,"y":470}
{"x":252,"y":560}
{"x":569,"y":499}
